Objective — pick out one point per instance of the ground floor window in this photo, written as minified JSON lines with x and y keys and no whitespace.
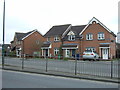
{"x":56,"y":51}
{"x":70,"y":53}
{"x":91,"y":48}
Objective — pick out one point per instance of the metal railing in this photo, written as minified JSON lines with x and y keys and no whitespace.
{"x":108,"y":69}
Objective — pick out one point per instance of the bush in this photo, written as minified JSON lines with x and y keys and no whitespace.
{"x":66,"y":59}
{"x":12,"y":54}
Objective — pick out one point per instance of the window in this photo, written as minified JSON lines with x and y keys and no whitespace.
{"x":56,"y":51}
{"x":91,"y":48}
{"x":101,"y":36}
{"x":37,"y":42}
{"x":18,"y":42}
{"x":89,"y":36}
{"x":71,"y":37}
{"x":56,"y":38}
{"x":48,"y":39}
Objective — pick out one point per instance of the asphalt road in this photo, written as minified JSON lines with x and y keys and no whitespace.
{"x":100,"y":68}
{"x":12,"y":79}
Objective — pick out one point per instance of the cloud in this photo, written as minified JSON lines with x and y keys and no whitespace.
{"x":26,"y":15}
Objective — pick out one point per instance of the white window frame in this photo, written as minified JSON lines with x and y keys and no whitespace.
{"x":89,"y":36}
{"x":71,"y":37}
{"x":67,"y":53}
{"x":91,"y":48}
{"x":101,"y":36}
{"x":56,"y":38}
{"x":56,"y":51}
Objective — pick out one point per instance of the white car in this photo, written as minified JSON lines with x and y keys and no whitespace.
{"x":90,"y":55}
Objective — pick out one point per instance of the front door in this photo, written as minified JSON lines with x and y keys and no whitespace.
{"x":73,"y":52}
{"x":67,"y":53}
{"x":46,"y":52}
{"x":105,"y":53}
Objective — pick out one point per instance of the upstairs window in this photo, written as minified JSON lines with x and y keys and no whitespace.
{"x":71,"y":37}
{"x":56,"y":38}
{"x":37,"y":42}
{"x":48,"y":39}
{"x":101,"y":36}
{"x":89,"y":36}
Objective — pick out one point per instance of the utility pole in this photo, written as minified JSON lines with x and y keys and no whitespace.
{"x":3,"y":48}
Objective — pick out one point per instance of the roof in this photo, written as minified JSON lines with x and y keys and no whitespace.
{"x":97,"y":21}
{"x":70,"y":45}
{"x":46,"y":45}
{"x":78,"y":29}
{"x":21,"y":36}
{"x":104,"y":44}
{"x":57,"y":30}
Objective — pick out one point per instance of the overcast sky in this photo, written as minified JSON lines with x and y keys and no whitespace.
{"x":27,"y":15}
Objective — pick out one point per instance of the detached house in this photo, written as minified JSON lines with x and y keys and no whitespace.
{"x":69,"y":40}
{"x":27,"y":43}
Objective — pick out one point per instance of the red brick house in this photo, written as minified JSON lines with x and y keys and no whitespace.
{"x":27,"y":43}
{"x":54,"y":40}
{"x":98,"y":37}
{"x":74,"y":40}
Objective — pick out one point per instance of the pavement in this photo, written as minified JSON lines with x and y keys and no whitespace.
{"x":82,"y":76}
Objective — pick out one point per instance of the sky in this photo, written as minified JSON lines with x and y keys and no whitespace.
{"x":27,"y":15}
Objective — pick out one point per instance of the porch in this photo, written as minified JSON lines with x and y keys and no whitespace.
{"x":46,"y":49}
{"x":70,"y":50}
{"x":104,"y":51}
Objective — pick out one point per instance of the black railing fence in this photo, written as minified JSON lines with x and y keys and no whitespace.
{"x":108,"y":69}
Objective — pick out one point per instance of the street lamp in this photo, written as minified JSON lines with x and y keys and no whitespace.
{"x":3,"y":35}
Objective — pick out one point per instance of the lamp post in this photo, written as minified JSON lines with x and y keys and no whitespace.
{"x":3,"y":49}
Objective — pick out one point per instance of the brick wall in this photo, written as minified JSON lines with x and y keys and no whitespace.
{"x":94,"y":29}
{"x":33,"y":43}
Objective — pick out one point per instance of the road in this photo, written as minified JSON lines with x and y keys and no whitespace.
{"x":12,"y":79}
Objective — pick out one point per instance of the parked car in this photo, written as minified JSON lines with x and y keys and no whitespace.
{"x":90,"y":55}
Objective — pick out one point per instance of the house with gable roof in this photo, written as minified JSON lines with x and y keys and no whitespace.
{"x":27,"y":43}
{"x":74,"y":40}
{"x":99,"y":38}
{"x":54,"y":40}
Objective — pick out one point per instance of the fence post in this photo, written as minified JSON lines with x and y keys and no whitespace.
{"x":23,"y":58}
{"x":76,"y":65}
{"x":111,"y":68}
{"x":46,"y":64}
{"x":23,"y":63}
